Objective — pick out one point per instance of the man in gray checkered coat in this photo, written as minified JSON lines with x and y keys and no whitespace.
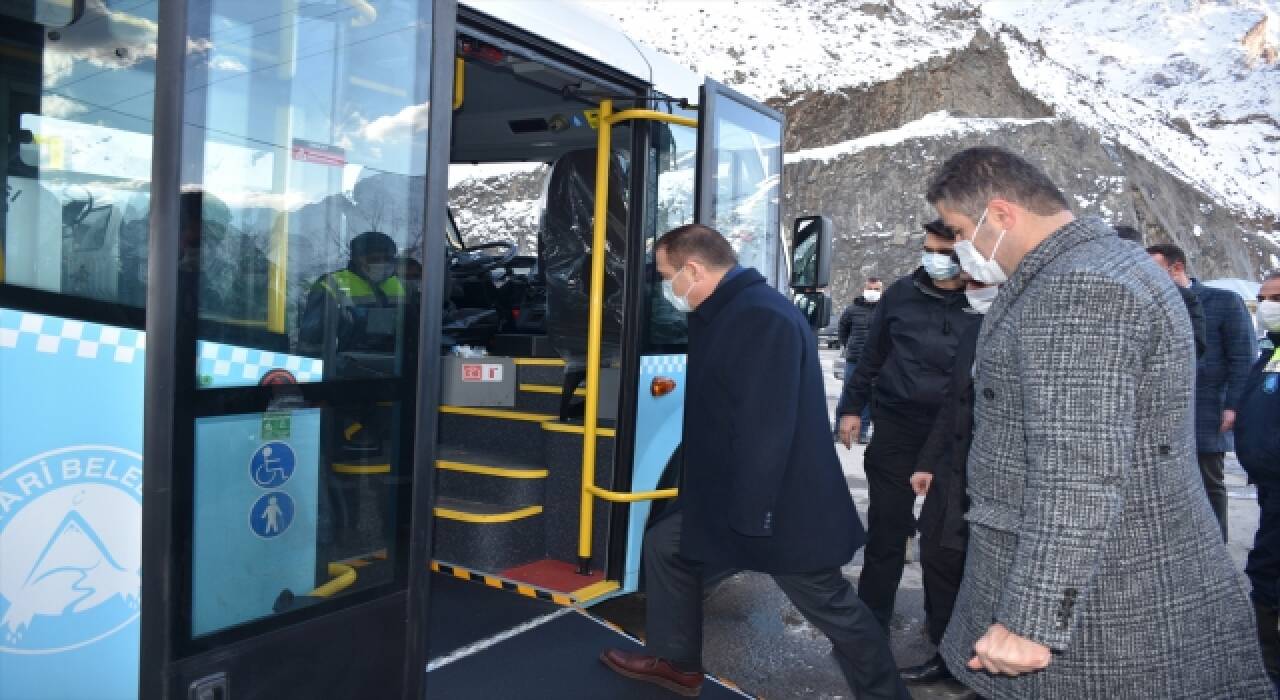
{"x":1095,"y":567}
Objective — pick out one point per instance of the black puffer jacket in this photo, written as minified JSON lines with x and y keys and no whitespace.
{"x":911,"y":347}
{"x":854,"y":323}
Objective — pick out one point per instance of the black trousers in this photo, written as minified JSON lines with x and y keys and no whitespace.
{"x":941,"y":569}
{"x":673,"y":624}
{"x":1211,"y":471}
{"x":889,"y":462}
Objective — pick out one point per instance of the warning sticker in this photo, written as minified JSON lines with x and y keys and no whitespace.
{"x":318,"y":153}
{"x":476,"y":372}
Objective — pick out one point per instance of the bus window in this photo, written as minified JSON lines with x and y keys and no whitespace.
{"x":77,"y":165}
{"x":674,"y":159}
{"x":748,"y":172}
{"x":302,"y":217}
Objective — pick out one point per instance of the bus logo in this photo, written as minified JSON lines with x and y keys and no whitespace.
{"x":70,"y":525}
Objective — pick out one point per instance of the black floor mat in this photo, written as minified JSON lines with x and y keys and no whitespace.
{"x":464,"y":612}
{"x":557,"y":659}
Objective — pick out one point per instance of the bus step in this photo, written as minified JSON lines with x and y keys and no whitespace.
{"x":488,"y":536}
{"x":481,"y":475}
{"x":512,"y":435}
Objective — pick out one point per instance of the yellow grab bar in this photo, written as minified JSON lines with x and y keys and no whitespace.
{"x":343,"y":576}
{"x":631,"y":497}
{"x":595,"y":325}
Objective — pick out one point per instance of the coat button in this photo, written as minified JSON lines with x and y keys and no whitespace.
{"x":1166,"y":450}
{"x":988,"y":394}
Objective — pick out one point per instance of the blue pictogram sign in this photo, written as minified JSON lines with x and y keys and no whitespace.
{"x":272,"y":465}
{"x":271,"y":514}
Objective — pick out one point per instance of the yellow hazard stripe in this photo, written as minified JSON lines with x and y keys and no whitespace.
{"x":576,"y":429}
{"x":548,"y":389}
{"x":488,"y":518}
{"x":524,"y":589}
{"x":538,"y":362}
{"x":497,"y":413}
{"x":595,"y":590}
{"x":491,"y":471}
{"x":343,"y":468}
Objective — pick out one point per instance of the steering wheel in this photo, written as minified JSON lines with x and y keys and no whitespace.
{"x":475,"y":259}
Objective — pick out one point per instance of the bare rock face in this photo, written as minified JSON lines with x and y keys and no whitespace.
{"x":1259,"y":51}
{"x":502,"y":208}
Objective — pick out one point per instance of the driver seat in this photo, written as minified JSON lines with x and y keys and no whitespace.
{"x":564,"y":255}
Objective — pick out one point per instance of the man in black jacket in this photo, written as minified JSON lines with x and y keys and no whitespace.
{"x":1194,"y":309}
{"x":940,"y":478}
{"x":903,"y":374}
{"x":762,"y":487}
{"x":853,"y":327}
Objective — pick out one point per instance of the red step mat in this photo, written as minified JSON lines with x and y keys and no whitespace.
{"x":554,"y":575}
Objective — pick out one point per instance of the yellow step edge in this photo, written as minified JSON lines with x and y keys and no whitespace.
{"x":500,"y":413}
{"x":487,"y":518}
{"x":548,"y":389}
{"x":595,"y":590}
{"x":538,"y":362}
{"x":577,"y":429}
{"x":343,"y":468}
{"x":491,"y":471}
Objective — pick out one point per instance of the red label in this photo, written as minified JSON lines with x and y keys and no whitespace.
{"x":473,"y":373}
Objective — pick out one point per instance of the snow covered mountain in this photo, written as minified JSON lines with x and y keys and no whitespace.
{"x":1164,"y":114}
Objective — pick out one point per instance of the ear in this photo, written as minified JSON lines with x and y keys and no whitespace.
{"x":1003,"y":214}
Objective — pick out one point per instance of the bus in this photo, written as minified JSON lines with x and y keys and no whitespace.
{"x":273,"y":422}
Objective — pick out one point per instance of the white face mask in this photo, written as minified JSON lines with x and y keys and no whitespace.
{"x":939,"y":266}
{"x":981,"y":298}
{"x":871,"y":295}
{"x":678,"y":301}
{"x":1269,"y":316}
{"x":985,"y":270}
{"x":379,"y":272}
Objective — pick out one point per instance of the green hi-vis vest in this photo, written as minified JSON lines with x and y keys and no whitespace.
{"x":350,"y":288}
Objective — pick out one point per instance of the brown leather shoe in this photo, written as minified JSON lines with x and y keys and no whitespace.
{"x":652,"y":669}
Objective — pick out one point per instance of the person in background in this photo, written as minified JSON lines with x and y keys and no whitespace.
{"x":852,"y":334}
{"x":1220,"y":374}
{"x":1257,"y":433}
{"x":940,"y":478}
{"x":1093,"y":567}
{"x":1194,"y":309}
{"x":903,"y":374}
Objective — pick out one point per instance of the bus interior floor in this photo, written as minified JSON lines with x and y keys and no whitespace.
{"x":553,"y":575}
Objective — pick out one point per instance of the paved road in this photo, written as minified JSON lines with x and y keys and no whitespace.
{"x":754,"y":637}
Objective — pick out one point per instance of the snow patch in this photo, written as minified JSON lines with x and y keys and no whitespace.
{"x":932,"y":125}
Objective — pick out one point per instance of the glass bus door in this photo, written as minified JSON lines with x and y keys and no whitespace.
{"x":286,"y":519}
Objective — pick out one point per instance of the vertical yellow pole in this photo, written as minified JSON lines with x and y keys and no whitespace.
{"x":594,"y":331}
{"x":278,"y":248}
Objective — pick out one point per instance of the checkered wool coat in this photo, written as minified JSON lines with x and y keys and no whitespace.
{"x":1090,"y":531}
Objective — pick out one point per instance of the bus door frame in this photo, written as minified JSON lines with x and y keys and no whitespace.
{"x":166,"y":671}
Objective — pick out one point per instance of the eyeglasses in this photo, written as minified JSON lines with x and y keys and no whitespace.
{"x":1269,"y":297}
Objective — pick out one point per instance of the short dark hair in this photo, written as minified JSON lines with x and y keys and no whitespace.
{"x":939,"y":229}
{"x":975,"y":176}
{"x":373,"y":243}
{"x":1128,"y":233}
{"x":872,"y":280}
{"x":696,"y":240}
{"x":1170,"y":252}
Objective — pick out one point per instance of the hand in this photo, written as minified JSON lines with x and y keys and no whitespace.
{"x":920,"y":482}
{"x":1002,"y":651}
{"x":849,"y":427}
{"x":1228,"y":420}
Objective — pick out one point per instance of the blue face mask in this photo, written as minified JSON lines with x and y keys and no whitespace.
{"x":940,"y":266}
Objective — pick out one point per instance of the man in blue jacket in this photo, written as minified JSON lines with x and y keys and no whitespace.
{"x":1220,"y":372}
{"x":1257,"y":434}
{"x":762,"y":488}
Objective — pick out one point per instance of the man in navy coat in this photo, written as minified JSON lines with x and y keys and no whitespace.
{"x":762,"y":488}
{"x":1221,"y":372}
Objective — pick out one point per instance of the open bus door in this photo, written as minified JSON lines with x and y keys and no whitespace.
{"x":290,"y":416}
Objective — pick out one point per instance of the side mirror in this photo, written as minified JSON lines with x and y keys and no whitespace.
{"x":816,"y":307}
{"x":49,"y":13}
{"x":811,"y":253}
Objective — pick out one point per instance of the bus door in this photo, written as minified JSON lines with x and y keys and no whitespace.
{"x":290,"y":404}
{"x":734,"y":160}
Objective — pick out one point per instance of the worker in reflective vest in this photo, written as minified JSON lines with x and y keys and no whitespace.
{"x":358,"y":307}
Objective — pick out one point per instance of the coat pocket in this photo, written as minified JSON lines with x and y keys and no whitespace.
{"x":997,"y":516}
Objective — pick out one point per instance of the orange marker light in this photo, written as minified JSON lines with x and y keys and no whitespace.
{"x":661,"y":386}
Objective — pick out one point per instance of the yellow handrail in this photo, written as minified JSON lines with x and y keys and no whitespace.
{"x":632,"y":496}
{"x":595,"y":326}
{"x":343,"y":576}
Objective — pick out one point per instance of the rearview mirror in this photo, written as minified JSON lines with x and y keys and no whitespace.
{"x":811,"y":253}
{"x":50,"y":13}
{"x":816,"y":307}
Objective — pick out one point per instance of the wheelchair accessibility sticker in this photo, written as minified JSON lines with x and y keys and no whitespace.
{"x":271,"y":514}
{"x":70,"y":520}
{"x":272,"y":465}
